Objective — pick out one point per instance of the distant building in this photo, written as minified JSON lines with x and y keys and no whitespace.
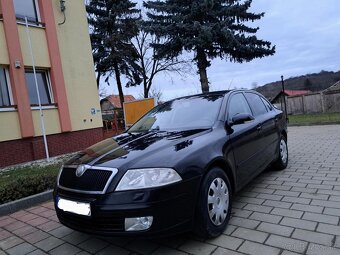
{"x":334,"y":88}
{"x":112,"y":111}
{"x":278,"y":99}
{"x":65,"y":76}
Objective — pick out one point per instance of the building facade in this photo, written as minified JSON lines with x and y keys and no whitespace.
{"x":65,"y":79}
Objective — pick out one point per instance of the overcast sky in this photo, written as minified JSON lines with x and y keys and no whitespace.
{"x":307,"y":38}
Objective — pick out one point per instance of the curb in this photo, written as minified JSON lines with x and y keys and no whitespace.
{"x":314,"y":124}
{"x":25,"y":202}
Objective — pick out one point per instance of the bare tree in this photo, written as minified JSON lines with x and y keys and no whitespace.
{"x":149,"y":65}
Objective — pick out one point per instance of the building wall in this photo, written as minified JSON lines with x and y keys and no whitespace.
{"x":64,"y":50}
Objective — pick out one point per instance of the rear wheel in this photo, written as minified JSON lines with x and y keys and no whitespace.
{"x":214,"y":204}
{"x":282,"y":161}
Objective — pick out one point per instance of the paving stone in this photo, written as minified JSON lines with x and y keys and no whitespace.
{"x":329,"y":229}
{"x":229,"y":229}
{"x":275,"y":229}
{"x":35,"y":237}
{"x":65,"y":248}
{"x":142,"y":246}
{"x":279,"y":204}
{"x":315,"y":249}
{"x":298,"y":223}
{"x":4,"y":234}
{"x":307,"y":208}
{"x":61,"y":231}
{"x":265,"y":217}
{"x":49,"y":243}
{"x":321,"y":218}
{"x":258,"y":208}
{"x":21,"y":232}
{"x":222,"y":251}
{"x":287,"y":243}
{"x":160,"y":251}
{"x":249,"y":234}
{"x":258,"y":249}
{"x":93,"y":245}
{"x":241,"y":213}
{"x":10,"y":242}
{"x":287,"y":212}
{"x":197,"y":248}
{"x":37,"y":252}
{"x":227,"y":242}
{"x":21,"y":249}
{"x":296,"y":200}
{"x":14,"y":225}
{"x":246,"y":223}
{"x":313,"y":237}
{"x":76,"y":237}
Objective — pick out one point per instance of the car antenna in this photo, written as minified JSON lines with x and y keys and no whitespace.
{"x":231,"y":82}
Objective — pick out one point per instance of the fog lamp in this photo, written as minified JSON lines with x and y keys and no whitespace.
{"x":138,"y":223}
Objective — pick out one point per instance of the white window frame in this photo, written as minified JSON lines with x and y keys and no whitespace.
{"x":9,"y":88}
{"x":49,"y":88}
{"x":30,"y":23}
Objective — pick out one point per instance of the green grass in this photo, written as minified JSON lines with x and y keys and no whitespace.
{"x":320,"y":118}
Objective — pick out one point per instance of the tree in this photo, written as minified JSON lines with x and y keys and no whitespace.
{"x":307,"y":84}
{"x":149,"y":65}
{"x":210,"y":28}
{"x":112,"y":25}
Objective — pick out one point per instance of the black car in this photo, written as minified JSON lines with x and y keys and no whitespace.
{"x":175,"y":169}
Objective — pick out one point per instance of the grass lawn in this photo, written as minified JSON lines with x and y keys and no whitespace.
{"x":21,"y":182}
{"x":319,"y":118}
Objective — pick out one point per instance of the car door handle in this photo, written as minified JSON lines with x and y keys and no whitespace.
{"x":259,"y":127}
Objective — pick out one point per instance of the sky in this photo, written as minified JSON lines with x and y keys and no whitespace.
{"x":306,"y":34}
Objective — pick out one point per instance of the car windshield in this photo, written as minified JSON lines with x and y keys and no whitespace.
{"x":180,"y":114}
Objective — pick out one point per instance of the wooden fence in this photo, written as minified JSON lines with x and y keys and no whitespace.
{"x":313,"y":103}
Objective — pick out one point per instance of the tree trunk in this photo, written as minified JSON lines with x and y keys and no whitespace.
{"x":119,"y":83}
{"x":98,"y":79}
{"x":146,"y":91}
{"x":202,"y":65}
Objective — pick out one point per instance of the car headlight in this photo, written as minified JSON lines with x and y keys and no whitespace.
{"x":147,"y":178}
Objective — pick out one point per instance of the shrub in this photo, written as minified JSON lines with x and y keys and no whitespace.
{"x":25,"y":186}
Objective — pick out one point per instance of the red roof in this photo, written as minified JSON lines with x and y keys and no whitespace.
{"x":115,"y":101}
{"x":296,"y":92}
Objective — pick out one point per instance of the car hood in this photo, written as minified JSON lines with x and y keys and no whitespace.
{"x":137,"y":150}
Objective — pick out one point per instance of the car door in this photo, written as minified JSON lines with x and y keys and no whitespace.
{"x":244,"y":139}
{"x":267,"y":129}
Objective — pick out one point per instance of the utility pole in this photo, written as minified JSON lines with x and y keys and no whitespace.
{"x":284,"y":97}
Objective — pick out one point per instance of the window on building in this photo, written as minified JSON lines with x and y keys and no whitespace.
{"x":26,"y":8}
{"x":5,"y":98}
{"x":43,"y":87}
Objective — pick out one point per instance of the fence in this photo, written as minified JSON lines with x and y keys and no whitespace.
{"x":314,"y":103}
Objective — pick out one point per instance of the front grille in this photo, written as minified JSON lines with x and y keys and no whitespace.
{"x":93,"y":180}
{"x":99,"y":225}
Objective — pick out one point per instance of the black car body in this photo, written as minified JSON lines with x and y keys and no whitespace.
{"x":236,"y":136}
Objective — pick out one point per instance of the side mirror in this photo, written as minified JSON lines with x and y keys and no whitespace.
{"x":241,"y":118}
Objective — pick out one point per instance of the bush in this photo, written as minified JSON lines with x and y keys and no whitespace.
{"x":25,"y":186}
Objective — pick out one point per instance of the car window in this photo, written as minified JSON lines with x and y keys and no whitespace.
{"x":256,"y":104}
{"x":238,"y":104}
{"x":267,"y":104}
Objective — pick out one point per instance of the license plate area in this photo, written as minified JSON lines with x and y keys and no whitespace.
{"x":76,"y":207}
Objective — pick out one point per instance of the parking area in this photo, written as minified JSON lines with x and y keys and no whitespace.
{"x":293,"y":211}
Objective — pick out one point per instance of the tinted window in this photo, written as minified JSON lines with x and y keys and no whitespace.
{"x":4,"y":95}
{"x":193,"y":112}
{"x":26,"y":8}
{"x":256,"y":104}
{"x":43,"y":87}
{"x":267,"y":104}
{"x":238,"y":104}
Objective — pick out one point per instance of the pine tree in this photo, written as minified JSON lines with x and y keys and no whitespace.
{"x":112,"y":25}
{"x":209,"y":28}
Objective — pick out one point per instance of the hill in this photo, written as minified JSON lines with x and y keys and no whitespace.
{"x":313,"y":82}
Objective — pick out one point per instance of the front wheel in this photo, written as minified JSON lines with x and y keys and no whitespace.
{"x":214,"y":204}
{"x":282,"y":161}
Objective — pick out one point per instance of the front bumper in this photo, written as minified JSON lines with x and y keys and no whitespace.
{"x":172,"y":208}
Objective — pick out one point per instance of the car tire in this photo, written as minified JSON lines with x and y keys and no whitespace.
{"x":214,"y":204}
{"x":282,"y":160}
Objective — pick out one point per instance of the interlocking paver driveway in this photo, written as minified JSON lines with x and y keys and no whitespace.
{"x":287,"y":212}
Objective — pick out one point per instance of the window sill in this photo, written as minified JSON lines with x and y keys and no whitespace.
{"x":44,"y":107}
{"x":8,"y":108}
{"x":30,"y":23}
